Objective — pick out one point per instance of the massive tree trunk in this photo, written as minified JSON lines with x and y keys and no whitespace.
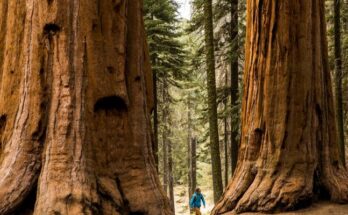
{"x":234,"y":83}
{"x":75,"y":101}
{"x":289,"y":151}
{"x":212,"y":105}
{"x":338,"y":79}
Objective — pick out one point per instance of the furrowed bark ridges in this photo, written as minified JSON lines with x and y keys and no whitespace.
{"x":86,"y":112}
{"x":20,"y":153}
{"x":288,"y":95}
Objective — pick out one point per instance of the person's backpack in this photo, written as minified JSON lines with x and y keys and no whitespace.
{"x":194,"y":200}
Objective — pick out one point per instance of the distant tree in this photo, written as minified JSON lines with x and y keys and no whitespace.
{"x":212,"y":105}
{"x":226,"y":143}
{"x":193,"y":165}
{"x":191,"y":149}
{"x":165,"y":134}
{"x":166,"y":53}
{"x":195,"y":94}
{"x":170,"y":174}
{"x":339,"y":78}
{"x":234,"y":54}
{"x":229,"y":37}
{"x":171,"y":178}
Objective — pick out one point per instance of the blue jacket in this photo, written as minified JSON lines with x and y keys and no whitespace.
{"x":196,"y":199}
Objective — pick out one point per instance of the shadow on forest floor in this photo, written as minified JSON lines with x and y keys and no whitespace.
{"x":321,"y":208}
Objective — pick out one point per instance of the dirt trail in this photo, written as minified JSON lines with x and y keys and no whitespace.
{"x":182,"y":200}
{"x":322,"y":208}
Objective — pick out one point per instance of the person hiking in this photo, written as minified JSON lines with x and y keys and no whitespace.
{"x":195,"y":202}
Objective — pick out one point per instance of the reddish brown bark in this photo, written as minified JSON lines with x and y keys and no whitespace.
{"x":289,"y":151}
{"x":75,"y":102}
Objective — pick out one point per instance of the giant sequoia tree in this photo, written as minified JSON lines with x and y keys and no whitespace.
{"x":75,"y":98}
{"x":289,"y":151}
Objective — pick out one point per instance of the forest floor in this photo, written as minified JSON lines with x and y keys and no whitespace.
{"x":182,"y":199}
{"x":322,"y":208}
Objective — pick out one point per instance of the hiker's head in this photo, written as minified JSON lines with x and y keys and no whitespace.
{"x":198,"y":190}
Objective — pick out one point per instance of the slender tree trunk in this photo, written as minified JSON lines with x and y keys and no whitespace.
{"x":170,"y":174}
{"x":155,"y":108}
{"x":234,"y":83}
{"x":338,"y":79}
{"x":226,"y":143}
{"x":165,"y":164}
{"x":75,"y":103}
{"x":189,"y":149}
{"x":165,"y":135}
{"x":192,"y":152}
{"x":345,"y":18}
{"x":212,"y":106}
{"x":289,"y":151}
{"x":155,"y":118}
{"x":193,"y":165}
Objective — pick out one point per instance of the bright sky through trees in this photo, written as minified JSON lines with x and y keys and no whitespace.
{"x":185,"y":8}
